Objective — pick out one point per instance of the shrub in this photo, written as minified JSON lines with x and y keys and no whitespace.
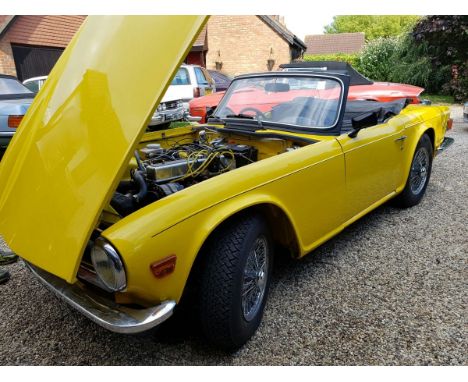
{"x":352,"y":59}
{"x":376,"y":60}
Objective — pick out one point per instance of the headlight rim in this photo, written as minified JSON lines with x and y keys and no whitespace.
{"x":117,"y":265}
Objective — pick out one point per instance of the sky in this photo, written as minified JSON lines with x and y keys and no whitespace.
{"x":305,"y":23}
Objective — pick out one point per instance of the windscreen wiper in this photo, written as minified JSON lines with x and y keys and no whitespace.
{"x":216,"y":120}
{"x":240,"y":115}
{"x":250,"y":117}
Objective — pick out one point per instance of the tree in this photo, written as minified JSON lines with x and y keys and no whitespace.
{"x":435,"y":54}
{"x":372,"y":26}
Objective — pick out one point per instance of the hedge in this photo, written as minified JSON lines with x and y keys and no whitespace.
{"x":352,"y":59}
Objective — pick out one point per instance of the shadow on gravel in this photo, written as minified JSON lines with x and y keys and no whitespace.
{"x":328,"y":254}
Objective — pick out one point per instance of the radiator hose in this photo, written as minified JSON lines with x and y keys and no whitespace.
{"x":142,"y":187}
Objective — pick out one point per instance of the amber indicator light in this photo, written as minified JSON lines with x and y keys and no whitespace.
{"x":163,"y":267}
{"x":449,"y":124}
{"x":14,"y":121}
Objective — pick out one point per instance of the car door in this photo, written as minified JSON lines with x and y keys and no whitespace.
{"x":373,"y":160}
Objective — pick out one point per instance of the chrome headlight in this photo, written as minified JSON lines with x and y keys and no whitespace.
{"x":108,"y":265}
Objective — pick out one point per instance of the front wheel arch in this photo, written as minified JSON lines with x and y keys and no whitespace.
{"x":279,"y":223}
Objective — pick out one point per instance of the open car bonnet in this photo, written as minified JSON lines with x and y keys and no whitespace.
{"x":75,"y":141}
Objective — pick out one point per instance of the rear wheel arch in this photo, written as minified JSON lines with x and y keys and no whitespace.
{"x":429,"y":131}
{"x":409,"y":197}
{"x":431,"y":134}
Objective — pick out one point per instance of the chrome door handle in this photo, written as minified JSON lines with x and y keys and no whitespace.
{"x":402,"y":138}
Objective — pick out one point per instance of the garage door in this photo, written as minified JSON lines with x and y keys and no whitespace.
{"x":34,"y":61}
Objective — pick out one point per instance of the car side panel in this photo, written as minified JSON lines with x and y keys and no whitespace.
{"x":373,"y":164}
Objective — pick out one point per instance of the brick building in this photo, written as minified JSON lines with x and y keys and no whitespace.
{"x":30,"y":45}
{"x":243,"y":44}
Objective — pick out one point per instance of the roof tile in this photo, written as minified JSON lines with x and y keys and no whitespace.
{"x":335,"y":43}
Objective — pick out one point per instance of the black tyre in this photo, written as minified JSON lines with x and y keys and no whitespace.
{"x":419,"y":175}
{"x":235,"y":278}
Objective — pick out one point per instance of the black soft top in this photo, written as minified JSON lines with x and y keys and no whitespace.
{"x":356,"y":78}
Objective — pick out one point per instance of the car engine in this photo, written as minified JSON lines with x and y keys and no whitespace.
{"x":164,"y":171}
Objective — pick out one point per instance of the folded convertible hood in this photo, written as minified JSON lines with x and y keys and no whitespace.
{"x":79,"y":134}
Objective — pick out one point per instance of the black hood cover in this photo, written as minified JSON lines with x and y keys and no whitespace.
{"x":356,"y":78}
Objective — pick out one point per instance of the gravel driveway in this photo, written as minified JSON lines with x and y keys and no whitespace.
{"x":390,"y":289}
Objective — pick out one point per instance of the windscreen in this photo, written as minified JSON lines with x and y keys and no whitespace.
{"x":181,"y":78}
{"x":9,"y":86}
{"x":303,"y":101}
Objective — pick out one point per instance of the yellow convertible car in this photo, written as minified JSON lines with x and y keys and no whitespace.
{"x":125,"y":225}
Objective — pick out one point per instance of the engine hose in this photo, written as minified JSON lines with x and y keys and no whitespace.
{"x":142,"y":187}
{"x":141,"y":167}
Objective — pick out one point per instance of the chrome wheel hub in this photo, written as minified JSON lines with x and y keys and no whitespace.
{"x":255,"y":278}
{"x":419,"y":170}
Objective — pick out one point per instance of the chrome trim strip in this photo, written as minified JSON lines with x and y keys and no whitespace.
{"x":7,"y":133}
{"x":87,"y":274}
{"x":102,"y":311}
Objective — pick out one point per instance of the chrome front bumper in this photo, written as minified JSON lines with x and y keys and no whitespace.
{"x":170,"y":115}
{"x":102,"y":311}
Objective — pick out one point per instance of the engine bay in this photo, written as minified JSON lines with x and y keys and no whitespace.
{"x":172,"y":160}
{"x":163,"y":171}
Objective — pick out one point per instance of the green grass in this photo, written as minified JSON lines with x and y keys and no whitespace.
{"x":439,"y":99}
{"x":179,"y":124}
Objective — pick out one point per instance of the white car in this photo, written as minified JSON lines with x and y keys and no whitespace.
{"x":191,"y":81}
{"x":170,"y":110}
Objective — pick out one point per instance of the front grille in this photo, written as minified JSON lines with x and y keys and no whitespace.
{"x":171,"y":104}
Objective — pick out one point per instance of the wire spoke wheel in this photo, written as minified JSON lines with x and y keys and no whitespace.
{"x":234,"y":281}
{"x":419,"y":170}
{"x":255,"y":278}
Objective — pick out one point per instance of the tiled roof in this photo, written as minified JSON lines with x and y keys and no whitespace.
{"x":334,"y":43}
{"x":54,"y":31}
{"x":200,"y":42}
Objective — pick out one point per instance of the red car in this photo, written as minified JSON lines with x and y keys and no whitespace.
{"x":360,"y":88}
